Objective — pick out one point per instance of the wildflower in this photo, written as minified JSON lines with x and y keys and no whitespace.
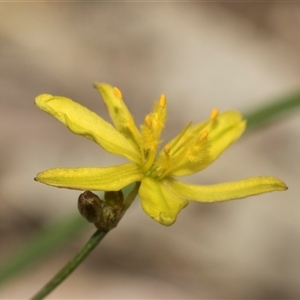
{"x":162,"y":195}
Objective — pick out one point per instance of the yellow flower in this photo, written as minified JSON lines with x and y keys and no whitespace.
{"x":162,"y":195}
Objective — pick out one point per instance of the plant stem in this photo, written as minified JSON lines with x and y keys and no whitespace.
{"x":71,"y":265}
{"x":46,"y":242}
{"x":131,"y":196}
{"x":83,"y":253}
{"x":274,"y":111}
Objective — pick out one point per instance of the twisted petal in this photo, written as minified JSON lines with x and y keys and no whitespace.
{"x":119,"y":113}
{"x":159,"y":202}
{"x":96,"y":179}
{"x":82,"y":121}
{"x":227,"y":191}
{"x":222,"y":131}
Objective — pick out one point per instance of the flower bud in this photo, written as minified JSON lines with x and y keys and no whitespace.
{"x":110,"y":217}
{"x":105,"y":214}
{"x":114,"y":198}
{"x":90,"y":206}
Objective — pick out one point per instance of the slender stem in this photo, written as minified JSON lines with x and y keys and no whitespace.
{"x":71,"y":265}
{"x":83,"y":253}
{"x":273,"y":111}
{"x":46,"y":242}
{"x":131,"y":196}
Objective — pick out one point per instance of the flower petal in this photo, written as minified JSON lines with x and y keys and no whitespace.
{"x":96,"y":179}
{"x":222,"y":131}
{"x":82,"y":121}
{"x":227,"y":191}
{"x":119,"y":112}
{"x":159,"y":202}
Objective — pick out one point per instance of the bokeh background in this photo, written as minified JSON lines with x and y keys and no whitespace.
{"x":201,"y":55}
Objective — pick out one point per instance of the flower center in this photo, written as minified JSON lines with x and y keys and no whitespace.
{"x":189,"y":148}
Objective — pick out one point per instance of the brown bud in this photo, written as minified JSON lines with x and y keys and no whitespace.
{"x":110,"y":217}
{"x":90,"y":206}
{"x":114,"y":198}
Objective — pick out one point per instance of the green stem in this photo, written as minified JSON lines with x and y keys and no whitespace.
{"x":272,"y":112}
{"x":83,"y":253}
{"x":71,"y":265}
{"x":131,"y":196}
{"x":46,"y":242}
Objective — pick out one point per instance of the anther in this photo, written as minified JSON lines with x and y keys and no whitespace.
{"x":148,"y":121}
{"x":162,"y":101}
{"x":117,"y":93}
{"x":203,"y":136}
{"x":214,"y":113}
{"x":167,"y":149}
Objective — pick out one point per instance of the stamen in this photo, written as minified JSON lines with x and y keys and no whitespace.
{"x":150,"y":159}
{"x":117,"y":93}
{"x":162,"y":101}
{"x":163,"y":167}
{"x":214,"y":113}
{"x":203,"y":136}
{"x":183,"y":132}
{"x":148,"y":122}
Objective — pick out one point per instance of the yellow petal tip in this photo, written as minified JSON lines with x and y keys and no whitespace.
{"x":42,"y":99}
{"x":282,"y":185}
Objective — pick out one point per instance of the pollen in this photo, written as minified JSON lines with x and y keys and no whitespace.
{"x":214,"y":113}
{"x":117,"y":93}
{"x":162,"y":101}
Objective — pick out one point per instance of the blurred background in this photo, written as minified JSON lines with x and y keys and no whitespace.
{"x":201,"y":55}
